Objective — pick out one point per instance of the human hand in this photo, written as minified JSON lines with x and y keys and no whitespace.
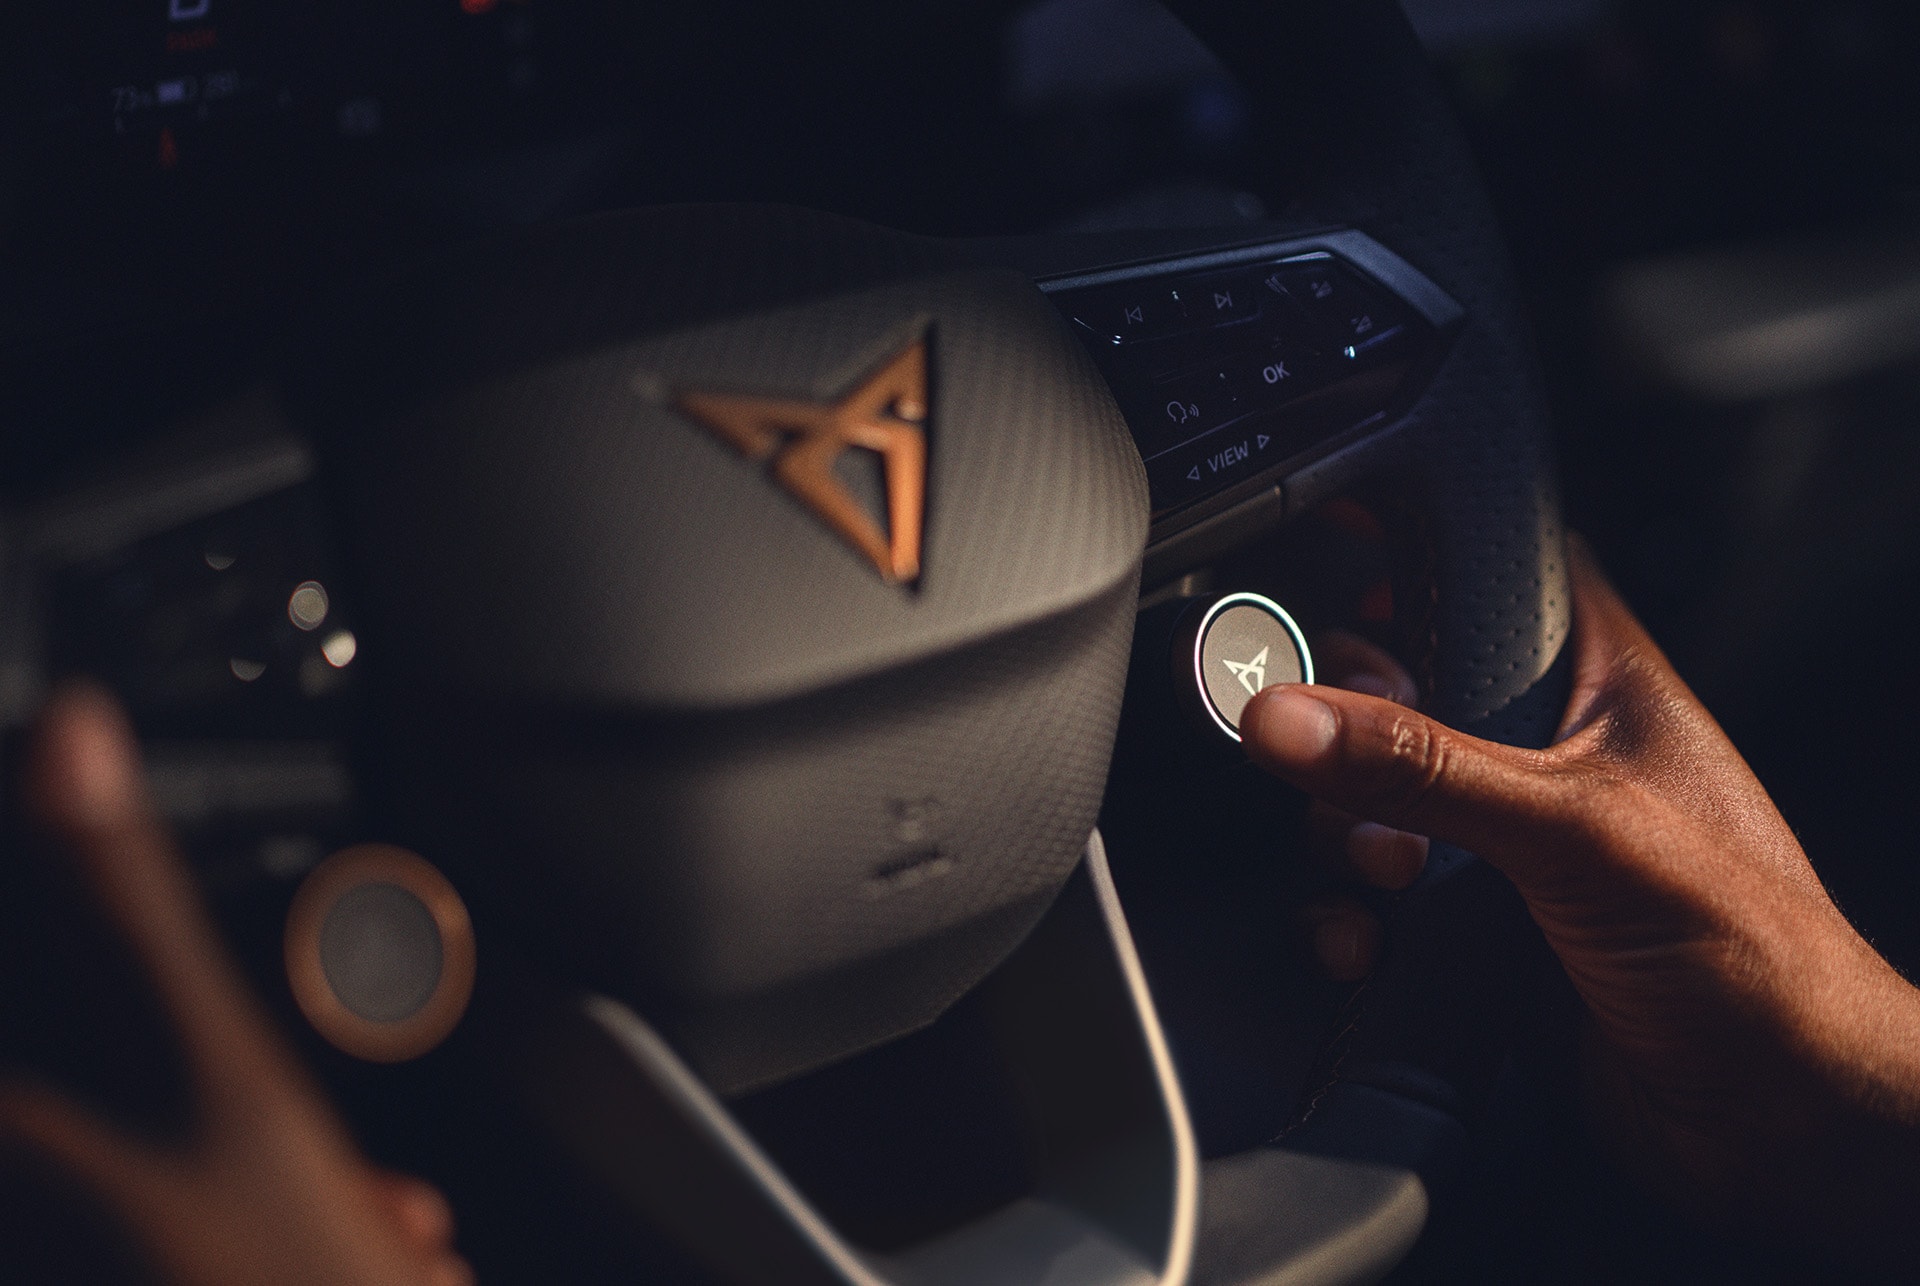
{"x":269,"y":1188}
{"x":1750,"y":1052}
{"x":1344,"y":934}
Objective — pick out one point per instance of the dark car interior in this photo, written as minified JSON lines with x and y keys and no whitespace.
{"x":782,"y":506}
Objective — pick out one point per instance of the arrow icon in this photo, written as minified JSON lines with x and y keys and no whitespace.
{"x":1252,"y":675}
{"x":1264,"y":439}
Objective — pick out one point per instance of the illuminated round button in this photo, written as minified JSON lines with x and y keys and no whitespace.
{"x":1235,"y":647}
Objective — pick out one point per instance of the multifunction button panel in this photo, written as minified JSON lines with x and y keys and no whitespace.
{"x":1224,"y":373}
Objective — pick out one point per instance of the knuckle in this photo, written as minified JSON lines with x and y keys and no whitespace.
{"x":1417,"y":761}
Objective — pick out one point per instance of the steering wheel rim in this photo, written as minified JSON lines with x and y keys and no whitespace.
{"x":1348,"y":88}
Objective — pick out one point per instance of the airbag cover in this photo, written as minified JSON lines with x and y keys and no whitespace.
{"x":662,"y":717}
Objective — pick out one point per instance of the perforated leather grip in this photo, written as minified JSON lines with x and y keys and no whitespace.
{"x":1363,"y":137}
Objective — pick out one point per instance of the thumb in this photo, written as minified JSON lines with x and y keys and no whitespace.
{"x":1393,"y":765}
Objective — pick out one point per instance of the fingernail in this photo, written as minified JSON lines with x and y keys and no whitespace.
{"x":1372,"y":685}
{"x":1338,"y":944}
{"x":97,"y":776}
{"x":1385,"y":857}
{"x":1290,"y":725}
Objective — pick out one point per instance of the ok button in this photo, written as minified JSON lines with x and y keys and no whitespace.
{"x":1236,"y":646}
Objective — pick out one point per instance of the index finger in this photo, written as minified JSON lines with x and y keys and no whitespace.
{"x":85,"y":785}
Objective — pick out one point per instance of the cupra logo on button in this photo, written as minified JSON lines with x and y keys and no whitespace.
{"x":1252,"y":674}
{"x":885,"y":412}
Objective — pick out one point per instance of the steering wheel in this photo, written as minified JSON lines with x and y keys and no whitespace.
{"x":751,"y":597}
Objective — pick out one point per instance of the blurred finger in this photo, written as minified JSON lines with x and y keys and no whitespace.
{"x":450,"y":1270}
{"x":425,"y":1219}
{"x":79,"y":1142}
{"x":1348,"y":661}
{"x":86,"y":785}
{"x":418,"y":1208}
{"x":1345,"y":937}
{"x":1350,"y":846}
{"x":1377,"y":855}
{"x":1384,"y":857}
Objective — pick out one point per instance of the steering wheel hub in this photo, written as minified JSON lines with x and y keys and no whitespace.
{"x":608,"y":479}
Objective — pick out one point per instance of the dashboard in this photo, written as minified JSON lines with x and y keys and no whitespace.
{"x":171,"y":162}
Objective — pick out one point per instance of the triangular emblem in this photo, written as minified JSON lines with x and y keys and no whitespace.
{"x":1252,"y":675}
{"x":886,"y":412}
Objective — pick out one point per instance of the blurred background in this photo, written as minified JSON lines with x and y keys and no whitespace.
{"x":1715,"y":213}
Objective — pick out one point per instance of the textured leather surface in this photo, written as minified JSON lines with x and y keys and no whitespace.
{"x":548,"y":525}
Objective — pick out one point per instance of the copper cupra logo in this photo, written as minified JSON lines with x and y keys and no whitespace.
{"x":885,"y":412}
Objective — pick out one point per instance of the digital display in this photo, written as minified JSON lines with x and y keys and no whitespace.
{"x":184,"y":84}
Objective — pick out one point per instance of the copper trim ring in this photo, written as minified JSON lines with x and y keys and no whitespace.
{"x":426,"y":1027}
